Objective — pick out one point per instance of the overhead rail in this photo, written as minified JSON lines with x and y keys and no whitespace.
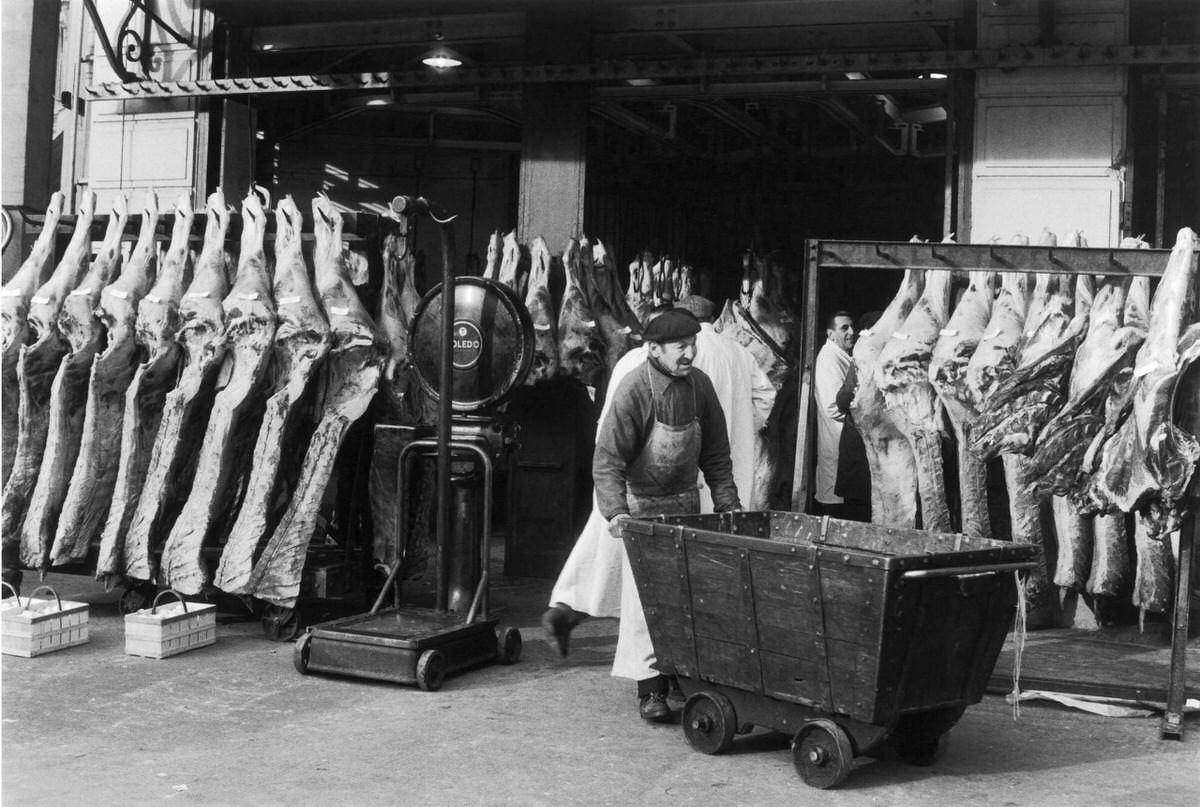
{"x":663,"y":69}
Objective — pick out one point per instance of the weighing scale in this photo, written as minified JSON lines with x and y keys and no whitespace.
{"x":469,"y":356}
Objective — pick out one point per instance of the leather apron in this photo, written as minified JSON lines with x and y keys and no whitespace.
{"x":661,"y":481}
{"x":662,"y":478}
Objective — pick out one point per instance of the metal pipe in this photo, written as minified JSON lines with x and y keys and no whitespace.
{"x":967,"y":571}
{"x":445,"y":412}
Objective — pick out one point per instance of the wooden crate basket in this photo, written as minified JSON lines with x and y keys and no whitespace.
{"x":170,"y":630}
{"x":36,"y":627}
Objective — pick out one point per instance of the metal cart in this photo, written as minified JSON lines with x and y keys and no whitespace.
{"x":844,"y":635}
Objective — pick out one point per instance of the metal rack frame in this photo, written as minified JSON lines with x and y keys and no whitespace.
{"x":835,"y":255}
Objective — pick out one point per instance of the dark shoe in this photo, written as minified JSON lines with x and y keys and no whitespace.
{"x":653,"y":707}
{"x":558,"y":621}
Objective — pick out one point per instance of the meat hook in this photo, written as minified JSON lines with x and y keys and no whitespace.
{"x":264,"y":195}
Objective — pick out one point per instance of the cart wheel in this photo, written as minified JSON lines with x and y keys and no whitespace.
{"x":822,"y":754}
{"x":300,"y":654}
{"x":919,"y":750}
{"x":431,"y":670}
{"x":280,"y":624}
{"x":709,"y":722}
{"x":508,"y":646}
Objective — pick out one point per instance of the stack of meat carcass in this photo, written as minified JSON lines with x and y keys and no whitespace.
{"x":1084,"y":387}
{"x":168,"y":403}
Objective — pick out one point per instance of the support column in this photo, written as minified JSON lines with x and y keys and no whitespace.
{"x":553,"y":164}
{"x":554,"y":135}
{"x":30,"y":55}
{"x":29,"y":58}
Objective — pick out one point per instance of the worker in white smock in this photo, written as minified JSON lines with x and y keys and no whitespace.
{"x":833,"y":362}
{"x":590,"y":581}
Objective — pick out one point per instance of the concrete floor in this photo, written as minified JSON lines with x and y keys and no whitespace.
{"x":235,"y":724}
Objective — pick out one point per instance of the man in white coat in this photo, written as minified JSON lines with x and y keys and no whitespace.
{"x":590,"y":583}
{"x":833,"y":362}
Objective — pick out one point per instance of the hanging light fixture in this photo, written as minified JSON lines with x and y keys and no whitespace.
{"x":442,"y":58}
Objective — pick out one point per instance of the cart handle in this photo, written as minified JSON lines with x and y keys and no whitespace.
{"x":9,"y":586}
{"x":29,"y":599}
{"x":967,"y":571}
{"x":177,"y":595}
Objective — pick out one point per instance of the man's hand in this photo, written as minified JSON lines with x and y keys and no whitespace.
{"x":614,"y":524}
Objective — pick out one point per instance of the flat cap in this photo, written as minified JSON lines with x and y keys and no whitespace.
{"x":671,"y":325}
{"x":702,"y":307}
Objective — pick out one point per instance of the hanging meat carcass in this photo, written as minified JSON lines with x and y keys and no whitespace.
{"x":173,"y":430}
{"x":612,"y":311}
{"x":1147,"y":464}
{"x":95,"y":469}
{"x":250,"y":323}
{"x":495,"y":251}
{"x":902,"y":376}
{"x":759,"y":321}
{"x":581,"y":345}
{"x":1116,"y":328}
{"x":14,"y":326}
{"x":301,"y":342}
{"x":947,"y":372}
{"x":890,"y":457}
{"x":509,"y":272}
{"x":37,"y":366}
{"x":541,"y":310}
{"x":84,"y":334}
{"x":349,"y":382}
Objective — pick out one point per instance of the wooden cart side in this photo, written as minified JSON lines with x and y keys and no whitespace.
{"x":658,"y":559}
{"x":941,"y":638}
{"x":723,"y":610}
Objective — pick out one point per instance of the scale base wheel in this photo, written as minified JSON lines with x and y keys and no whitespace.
{"x":300,"y":653}
{"x":822,"y":753}
{"x":709,"y":722}
{"x":508,"y":646}
{"x":281,"y":624}
{"x":431,"y":670}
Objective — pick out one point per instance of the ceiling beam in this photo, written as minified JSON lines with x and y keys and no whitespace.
{"x":665,"y":69}
{"x":452,"y":29}
{"x":614,"y":112}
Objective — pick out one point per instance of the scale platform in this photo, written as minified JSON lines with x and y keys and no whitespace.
{"x":405,"y":645}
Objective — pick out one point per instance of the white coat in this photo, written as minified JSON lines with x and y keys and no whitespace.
{"x":829,"y":373}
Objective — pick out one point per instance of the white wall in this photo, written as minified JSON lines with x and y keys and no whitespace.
{"x":1049,"y":142}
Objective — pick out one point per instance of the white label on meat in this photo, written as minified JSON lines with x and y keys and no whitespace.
{"x":626,"y":329}
{"x":82,"y":292}
{"x":339,"y":310}
{"x":195,"y":294}
{"x":154,"y":298}
{"x":288,"y":300}
{"x":540,"y":327}
{"x":948,"y":332}
{"x":10,"y":293}
{"x":865,"y":332}
{"x":1145,"y":369}
{"x":120,"y":294}
{"x":39,"y":300}
{"x":898,"y":335}
{"x":589,"y":323}
{"x":251,"y":296}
